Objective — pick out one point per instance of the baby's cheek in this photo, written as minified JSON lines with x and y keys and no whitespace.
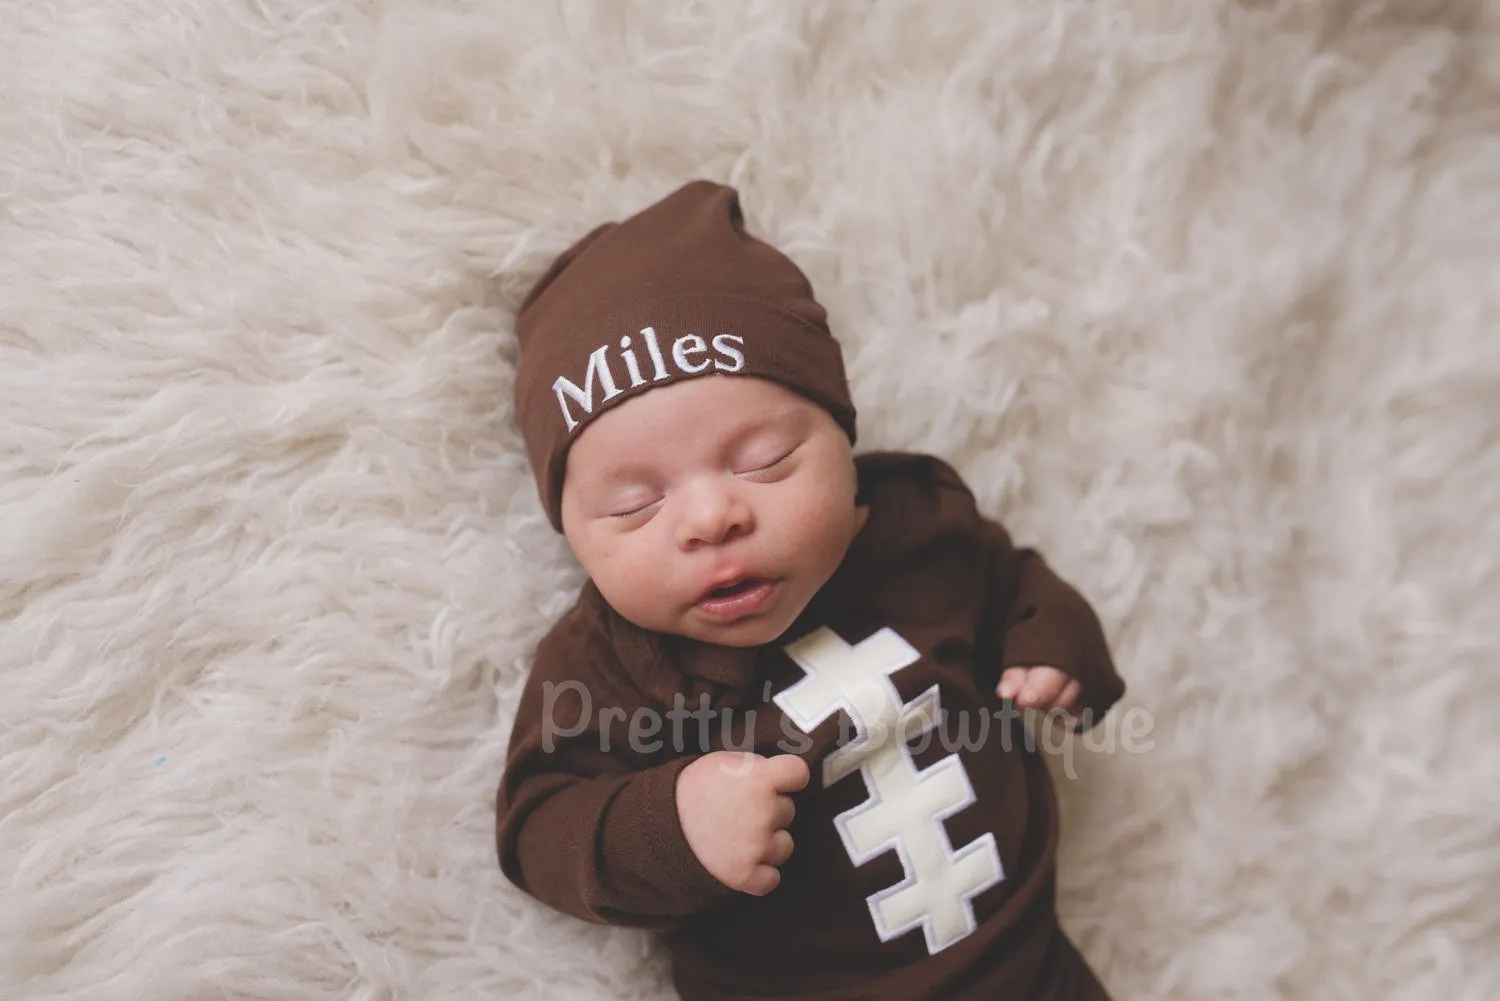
{"x":820,"y":520}
{"x":646,"y":568}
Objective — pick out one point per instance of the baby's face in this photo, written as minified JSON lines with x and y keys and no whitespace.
{"x":713,"y":508}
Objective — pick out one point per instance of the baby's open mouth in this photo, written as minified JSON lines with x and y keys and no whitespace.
{"x":737,"y":599}
{"x":730,"y":590}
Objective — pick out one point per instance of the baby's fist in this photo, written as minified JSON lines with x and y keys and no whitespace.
{"x":735,"y":807}
{"x":1043,"y":688}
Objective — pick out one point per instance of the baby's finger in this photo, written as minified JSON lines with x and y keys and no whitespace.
{"x":786,"y":810}
{"x":780,"y":849}
{"x":762,"y":881}
{"x":788,"y":773}
{"x":1067,"y":699}
{"x":1011,"y":682}
{"x":1042,"y":686}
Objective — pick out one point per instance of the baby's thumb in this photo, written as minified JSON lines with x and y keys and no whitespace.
{"x":788,"y":772}
{"x":1011,"y":682}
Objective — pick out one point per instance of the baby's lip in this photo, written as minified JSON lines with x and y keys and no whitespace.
{"x":749,"y":600}
{"x":726,"y":579}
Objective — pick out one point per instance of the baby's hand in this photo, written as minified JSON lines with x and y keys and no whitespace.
{"x":1044,"y":688}
{"x":735,"y":808}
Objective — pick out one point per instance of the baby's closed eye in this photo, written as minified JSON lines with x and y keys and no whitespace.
{"x":631,"y":504}
{"x":769,"y":457}
{"x":768,"y":464}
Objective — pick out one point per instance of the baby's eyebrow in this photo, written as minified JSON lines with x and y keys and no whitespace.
{"x":631,"y":472}
{"x":791,"y":420}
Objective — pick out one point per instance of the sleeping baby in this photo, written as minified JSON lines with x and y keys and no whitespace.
{"x":775,"y":727}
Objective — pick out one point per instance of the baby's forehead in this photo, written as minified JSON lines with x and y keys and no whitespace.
{"x":647,"y":435}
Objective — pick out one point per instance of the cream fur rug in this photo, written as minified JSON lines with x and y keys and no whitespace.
{"x":1202,"y":296}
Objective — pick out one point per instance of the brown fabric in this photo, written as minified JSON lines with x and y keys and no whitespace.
{"x":589,"y":826}
{"x":677,"y":291}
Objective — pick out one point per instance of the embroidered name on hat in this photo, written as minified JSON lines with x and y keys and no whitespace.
{"x":690,"y":353}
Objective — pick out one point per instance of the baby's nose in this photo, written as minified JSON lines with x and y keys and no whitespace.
{"x":713,"y":515}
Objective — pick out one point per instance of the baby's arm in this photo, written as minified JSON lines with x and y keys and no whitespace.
{"x":586,"y":823}
{"x":1038,"y":620}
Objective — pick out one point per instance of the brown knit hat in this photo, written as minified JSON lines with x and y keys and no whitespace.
{"x":676,"y":291}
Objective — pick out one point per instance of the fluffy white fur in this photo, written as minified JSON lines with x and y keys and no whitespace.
{"x":1201,"y":295}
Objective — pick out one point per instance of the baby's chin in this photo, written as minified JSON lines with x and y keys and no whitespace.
{"x":739,"y":634}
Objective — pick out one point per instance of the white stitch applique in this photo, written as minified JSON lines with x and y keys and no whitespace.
{"x":906,"y":807}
